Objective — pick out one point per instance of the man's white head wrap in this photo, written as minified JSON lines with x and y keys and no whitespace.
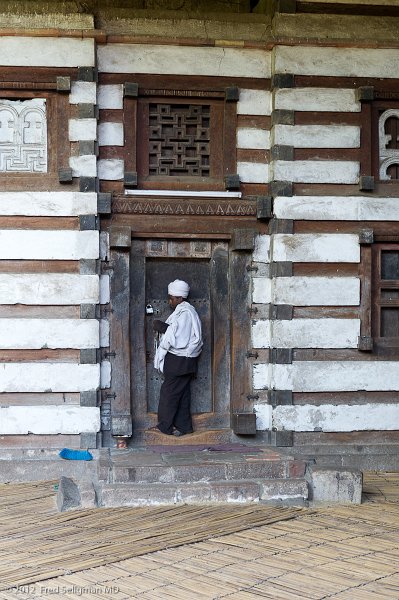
{"x":178,"y":288}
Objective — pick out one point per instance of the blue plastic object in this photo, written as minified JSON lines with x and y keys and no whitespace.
{"x":75,"y":454}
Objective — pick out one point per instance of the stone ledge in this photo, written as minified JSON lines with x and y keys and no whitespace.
{"x":277,"y":492}
{"x":334,"y":485}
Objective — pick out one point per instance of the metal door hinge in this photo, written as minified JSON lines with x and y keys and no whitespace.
{"x":252,"y":397}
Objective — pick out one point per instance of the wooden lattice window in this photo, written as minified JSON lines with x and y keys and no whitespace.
{"x":385,"y":317}
{"x":185,"y":139}
{"x":179,"y":140}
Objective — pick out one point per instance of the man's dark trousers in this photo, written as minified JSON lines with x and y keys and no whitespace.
{"x":175,"y":395}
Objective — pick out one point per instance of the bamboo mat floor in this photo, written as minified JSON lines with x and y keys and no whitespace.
{"x":200,"y":552}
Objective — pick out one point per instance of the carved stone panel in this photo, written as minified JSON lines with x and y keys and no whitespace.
{"x":23,"y":136}
{"x":388,"y":130}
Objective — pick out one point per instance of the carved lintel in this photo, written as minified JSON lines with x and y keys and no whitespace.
{"x":192,"y":207}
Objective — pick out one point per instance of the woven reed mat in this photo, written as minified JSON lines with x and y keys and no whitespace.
{"x":38,"y":543}
{"x":381,"y":486}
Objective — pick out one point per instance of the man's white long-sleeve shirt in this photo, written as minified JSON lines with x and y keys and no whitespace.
{"x":183,"y":337}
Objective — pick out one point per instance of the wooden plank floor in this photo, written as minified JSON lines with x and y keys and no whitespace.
{"x":200,"y":552}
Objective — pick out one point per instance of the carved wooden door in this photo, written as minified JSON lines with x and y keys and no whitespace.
{"x":204,"y":265}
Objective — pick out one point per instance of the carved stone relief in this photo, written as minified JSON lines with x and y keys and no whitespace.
{"x":23,"y":136}
{"x":388,"y":143}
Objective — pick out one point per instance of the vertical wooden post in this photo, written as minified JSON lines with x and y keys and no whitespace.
{"x":221,"y":335}
{"x":242,"y":246}
{"x":121,"y":414}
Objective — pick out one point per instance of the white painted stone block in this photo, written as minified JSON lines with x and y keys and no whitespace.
{"x":263,"y":416}
{"x":261,"y":378}
{"x":316,"y":247}
{"x":83,"y":166}
{"x":262,"y":249}
{"x":183,"y":60}
{"x":104,"y":245}
{"x":345,"y":376}
{"x":82,"y":130}
{"x":254,"y":102}
{"x":48,"y":204}
{"x":339,"y":208}
{"x":48,"y":377}
{"x":111,"y":134}
{"x":105,"y":374}
{"x":16,"y":51}
{"x":317,"y":136}
{"x":19,"y":334}
{"x":49,"y":420}
{"x":316,"y":291}
{"x":262,"y":290}
{"x":104,"y":333}
{"x":250,"y":172}
{"x":329,"y":417}
{"x":317,"y":171}
{"x":83,"y":92}
{"x":317,"y":99}
{"x":257,"y":139}
{"x":306,"y":333}
{"x":261,"y":334}
{"x":104,"y":289}
{"x":316,"y":207}
{"x":338,"y":62}
{"x":22,"y":244}
{"x":49,"y":288}
{"x":111,"y":169}
{"x":110,"y":96}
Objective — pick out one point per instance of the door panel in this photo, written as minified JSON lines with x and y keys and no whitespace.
{"x":160,"y":272}
{"x":204,"y":265}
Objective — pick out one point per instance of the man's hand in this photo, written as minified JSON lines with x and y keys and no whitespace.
{"x":159,"y":326}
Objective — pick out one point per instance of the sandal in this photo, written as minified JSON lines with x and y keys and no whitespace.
{"x":157,"y":430}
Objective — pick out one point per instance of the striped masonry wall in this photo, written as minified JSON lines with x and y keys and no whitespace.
{"x":316,"y":126}
{"x":49,"y":282}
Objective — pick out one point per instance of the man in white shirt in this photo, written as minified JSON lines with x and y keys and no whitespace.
{"x":177,"y":357}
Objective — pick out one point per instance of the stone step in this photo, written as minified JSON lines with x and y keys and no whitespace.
{"x":215,"y":436}
{"x":167,"y":466}
{"x":362,"y":462}
{"x":284,"y":492}
{"x":274,"y":469}
{"x":45,"y":469}
{"x":344,"y":449}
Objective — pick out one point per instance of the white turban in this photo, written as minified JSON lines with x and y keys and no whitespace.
{"x":178,"y":288}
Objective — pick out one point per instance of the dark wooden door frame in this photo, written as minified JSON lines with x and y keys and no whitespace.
{"x":127,"y":265}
